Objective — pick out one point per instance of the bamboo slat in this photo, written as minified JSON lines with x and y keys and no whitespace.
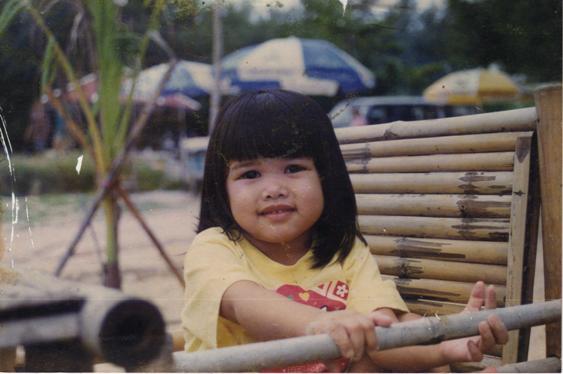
{"x":517,"y":239}
{"x":441,"y":270}
{"x":510,"y":120}
{"x":432,"y":308}
{"x":473,"y":251}
{"x":454,"y":183}
{"x":431,"y":227}
{"x":441,"y":290}
{"x":433,"y":205}
{"x":496,"y":142}
{"x":548,"y":104}
{"x":494,"y":161}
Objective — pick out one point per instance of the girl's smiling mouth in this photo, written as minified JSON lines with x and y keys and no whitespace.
{"x":278,"y":211}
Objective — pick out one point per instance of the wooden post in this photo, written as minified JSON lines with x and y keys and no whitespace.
{"x":548,"y":106}
{"x":215,"y":100}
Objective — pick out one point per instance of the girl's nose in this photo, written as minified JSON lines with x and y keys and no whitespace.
{"x":274,"y":190}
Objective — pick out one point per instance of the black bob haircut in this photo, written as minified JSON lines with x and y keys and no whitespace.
{"x":281,"y":124}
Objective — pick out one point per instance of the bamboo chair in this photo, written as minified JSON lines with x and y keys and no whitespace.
{"x":444,"y":203}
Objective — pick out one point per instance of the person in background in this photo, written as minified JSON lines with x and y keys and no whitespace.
{"x":358,"y":119}
{"x":39,"y":127}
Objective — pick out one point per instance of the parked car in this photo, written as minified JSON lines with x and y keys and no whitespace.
{"x":384,"y":109}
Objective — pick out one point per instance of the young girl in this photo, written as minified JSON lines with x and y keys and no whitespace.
{"x":278,"y":252}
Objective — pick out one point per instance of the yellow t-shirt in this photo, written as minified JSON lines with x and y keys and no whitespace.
{"x":213,"y":263}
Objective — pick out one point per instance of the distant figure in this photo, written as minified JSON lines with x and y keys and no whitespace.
{"x":358,"y":118}
{"x":39,"y":127}
{"x":62,"y":140}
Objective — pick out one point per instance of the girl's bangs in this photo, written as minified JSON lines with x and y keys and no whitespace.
{"x":270,"y":130}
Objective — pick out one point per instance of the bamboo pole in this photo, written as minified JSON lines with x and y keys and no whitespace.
{"x":510,"y":120}
{"x":121,"y":329}
{"x":548,"y":104}
{"x":434,"y":205}
{"x":441,"y":290}
{"x":546,"y":365}
{"x":472,"y":251}
{"x":137,"y":214}
{"x":470,"y":183}
{"x":496,"y":142}
{"x":441,"y":270}
{"x":493,"y":161}
{"x":285,"y":352}
{"x":432,"y":227}
{"x":115,"y":169}
{"x":517,"y":239}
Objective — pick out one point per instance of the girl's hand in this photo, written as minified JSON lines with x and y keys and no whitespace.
{"x":491,"y":332}
{"x":353,"y":333}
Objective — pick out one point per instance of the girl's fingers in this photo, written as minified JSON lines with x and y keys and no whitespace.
{"x":499,"y":329}
{"x":342,"y":340}
{"x":490,"y":298}
{"x":476,"y":298}
{"x":357,"y":338}
{"x":474,"y":351}
{"x":379,"y":318}
{"x":487,"y":338}
{"x":371,"y":342}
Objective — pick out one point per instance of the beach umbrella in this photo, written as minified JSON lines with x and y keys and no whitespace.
{"x":143,"y":93}
{"x":472,"y":86}
{"x":191,"y":79}
{"x":308,"y":66}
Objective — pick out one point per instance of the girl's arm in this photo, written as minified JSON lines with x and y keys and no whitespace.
{"x":424,"y":358}
{"x":266,"y":315}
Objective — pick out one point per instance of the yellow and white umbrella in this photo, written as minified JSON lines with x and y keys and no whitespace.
{"x":473,"y":86}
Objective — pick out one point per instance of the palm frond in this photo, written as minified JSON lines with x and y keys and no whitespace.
{"x":48,"y":67}
{"x":9,"y":11}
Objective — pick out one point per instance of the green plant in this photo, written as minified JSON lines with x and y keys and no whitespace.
{"x":107,"y":123}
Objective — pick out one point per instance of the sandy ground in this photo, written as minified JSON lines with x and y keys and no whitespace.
{"x":40,"y":241}
{"x":43,"y":232}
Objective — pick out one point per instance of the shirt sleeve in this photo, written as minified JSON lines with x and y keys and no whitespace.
{"x":368,"y":291}
{"x":211,"y":265}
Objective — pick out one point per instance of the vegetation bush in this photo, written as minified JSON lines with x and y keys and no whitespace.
{"x":53,"y":172}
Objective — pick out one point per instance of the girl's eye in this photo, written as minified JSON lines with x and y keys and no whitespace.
{"x":251,"y":174}
{"x":294,"y":169}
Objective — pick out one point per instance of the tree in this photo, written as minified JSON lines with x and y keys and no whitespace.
{"x":524,"y":37}
{"x":98,"y":24}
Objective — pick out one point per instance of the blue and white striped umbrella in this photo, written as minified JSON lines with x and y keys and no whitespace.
{"x":308,"y":66}
{"x":191,"y":79}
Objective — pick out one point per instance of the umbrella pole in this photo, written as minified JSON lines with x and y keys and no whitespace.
{"x":217,"y":54}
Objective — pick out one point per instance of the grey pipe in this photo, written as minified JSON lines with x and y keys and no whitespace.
{"x":285,"y":352}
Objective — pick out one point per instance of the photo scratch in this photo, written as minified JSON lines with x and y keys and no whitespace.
{"x":7,"y":146}
{"x":29,"y":224}
{"x":344,"y":5}
{"x":79,"y":164}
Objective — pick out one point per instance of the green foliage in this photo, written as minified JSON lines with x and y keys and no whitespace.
{"x":10,"y":10}
{"x":47,"y":174}
{"x":525,"y":37}
{"x":406,"y":50}
{"x":56,"y":173}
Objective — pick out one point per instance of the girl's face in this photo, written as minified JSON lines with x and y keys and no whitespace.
{"x":276,"y":201}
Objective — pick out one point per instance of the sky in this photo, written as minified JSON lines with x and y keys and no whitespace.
{"x":264,"y":6}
